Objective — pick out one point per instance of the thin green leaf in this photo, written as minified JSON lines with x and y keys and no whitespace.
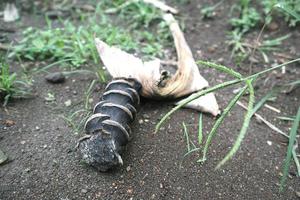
{"x":193,"y":97}
{"x":200,"y":129}
{"x":292,"y":139}
{"x":263,"y":100}
{"x":297,"y":163}
{"x":220,"y":120}
{"x":289,"y":10}
{"x":217,"y":87}
{"x":186,"y":134}
{"x":244,"y":128}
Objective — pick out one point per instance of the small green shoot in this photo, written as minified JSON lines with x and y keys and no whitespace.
{"x":10,"y":85}
{"x":220,"y":120}
{"x":200,"y":129}
{"x":186,"y":134}
{"x":292,"y":140}
{"x":209,"y":11}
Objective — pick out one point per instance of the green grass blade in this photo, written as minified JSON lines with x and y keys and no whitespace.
{"x":217,"y":87}
{"x":221,"y":68}
{"x":244,"y":128}
{"x":200,"y":129}
{"x":186,"y":134}
{"x":288,"y":9}
{"x":271,"y":69}
{"x":192,"y":97}
{"x":263,"y":100}
{"x":191,"y":151}
{"x":297,"y":163}
{"x":292,"y":139}
{"x":220,"y":120}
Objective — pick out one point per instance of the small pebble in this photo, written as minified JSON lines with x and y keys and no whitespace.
{"x":9,"y":123}
{"x":130,"y":191}
{"x":37,"y":128}
{"x":56,"y":77}
{"x":273,"y":26}
{"x":128,"y":168}
{"x":269,"y":143}
{"x":68,"y":103}
{"x":27,"y":170}
{"x":84,"y":191}
{"x":145,"y":116}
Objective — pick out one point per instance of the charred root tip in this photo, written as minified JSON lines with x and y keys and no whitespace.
{"x":100,"y":153}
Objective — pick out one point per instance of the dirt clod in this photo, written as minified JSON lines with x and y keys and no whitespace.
{"x":56,"y":77}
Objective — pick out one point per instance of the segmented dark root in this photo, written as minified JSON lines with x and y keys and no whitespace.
{"x":108,"y":128}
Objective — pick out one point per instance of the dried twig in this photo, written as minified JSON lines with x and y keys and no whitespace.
{"x":164,"y":7}
{"x":156,"y":3}
{"x":269,"y":124}
{"x":272,"y":108}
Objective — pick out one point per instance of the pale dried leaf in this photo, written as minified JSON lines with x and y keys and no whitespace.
{"x":11,"y":13}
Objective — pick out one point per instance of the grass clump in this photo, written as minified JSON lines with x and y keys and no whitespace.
{"x":249,"y":17}
{"x":76,"y":43}
{"x":290,"y":9}
{"x":73,"y":43}
{"x":250,"y":111}
{"x":10,"y":85}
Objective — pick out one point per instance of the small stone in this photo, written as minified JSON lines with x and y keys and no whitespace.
{"x":23,"y":142}
{"x":9,"y":122}
{"x":269,"y":143}
{"x":145,"y":116}
{"x":128,"y":168}
{"x":55,"y":14}
{"x":74,"y":92}
{"x":130,"y":191}
{"x":84,"y":191}
{"x":56,"y":77}
{"x":273,"y":26}
{"x":27,"y":170}
{"x":37,"y":128}
{"x":141,"y":121}
{"x":211,"y":49}
{"x":10,"y":13}
{"x":220,"y":60}
{"x":68,"y":103}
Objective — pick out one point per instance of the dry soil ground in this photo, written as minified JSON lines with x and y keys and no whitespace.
{"x":44,"y":165}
